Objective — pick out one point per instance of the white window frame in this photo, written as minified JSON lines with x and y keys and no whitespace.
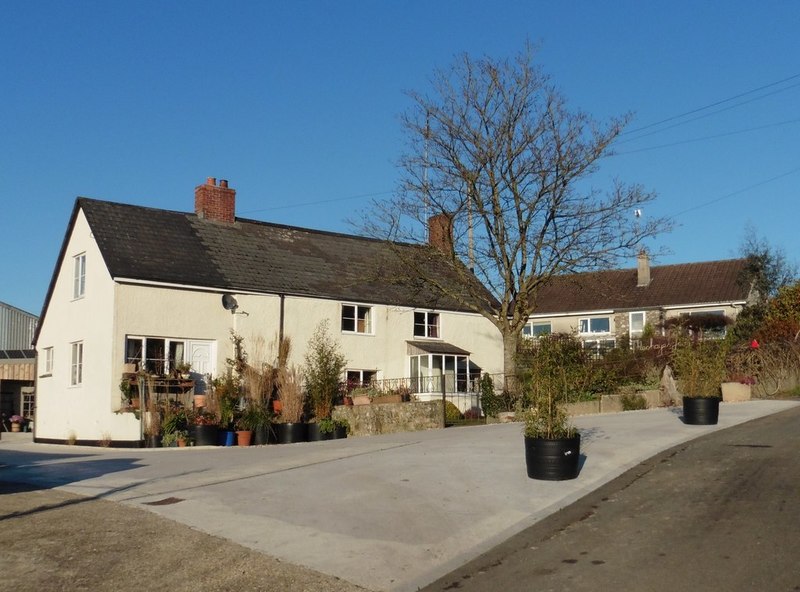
{"x":164,"y":364}
{"x":79,"y":276}
{"x":588,"y":321}
{"x":365,"y":377}
{"x":638,"y":333}
{"x":368,"y":329}
{"x":427,"y":323}
{"x":76,"y":364}
{"x":48,"y":361}
{"x":529,"y":330}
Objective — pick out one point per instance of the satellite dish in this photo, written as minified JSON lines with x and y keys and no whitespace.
{"x":229,"y":302}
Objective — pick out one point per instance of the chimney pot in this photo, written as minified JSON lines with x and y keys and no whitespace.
{"x":223,"y":182}
{"x":211,"y":181}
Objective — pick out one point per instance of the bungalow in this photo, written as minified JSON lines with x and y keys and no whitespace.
{"x":145,"y":288}
{"x":604,"y":307}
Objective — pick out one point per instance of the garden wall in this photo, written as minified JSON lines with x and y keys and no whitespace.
{"x":390,"y":418}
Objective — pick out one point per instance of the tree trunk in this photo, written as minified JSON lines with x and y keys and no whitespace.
{"x":510,"y":343}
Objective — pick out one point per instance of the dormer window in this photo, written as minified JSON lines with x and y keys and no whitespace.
{"x":426,"y":324}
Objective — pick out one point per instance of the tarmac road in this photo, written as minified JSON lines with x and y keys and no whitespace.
{"x":718,"y":513}
{"x":396,"y":512}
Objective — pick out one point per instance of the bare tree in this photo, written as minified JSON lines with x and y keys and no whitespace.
{"x":768,"y":269}
{"x":505,"y":166}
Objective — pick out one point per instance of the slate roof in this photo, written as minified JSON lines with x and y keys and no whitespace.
{"x":154,"y":245}
{"x":708,"y":282}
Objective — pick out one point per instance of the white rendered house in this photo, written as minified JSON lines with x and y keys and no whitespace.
{"x":153,"y":288}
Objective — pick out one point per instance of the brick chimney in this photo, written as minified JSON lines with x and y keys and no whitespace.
{"x":643,"y":269}
{"x":440,"y":232}
{"x":215,"y":202}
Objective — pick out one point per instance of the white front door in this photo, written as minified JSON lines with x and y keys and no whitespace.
{"x":202,"y":356}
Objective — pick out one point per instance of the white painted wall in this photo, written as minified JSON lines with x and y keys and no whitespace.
{"x":63,"y":410}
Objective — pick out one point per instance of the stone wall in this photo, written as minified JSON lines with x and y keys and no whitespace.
{"x":389,"y":418}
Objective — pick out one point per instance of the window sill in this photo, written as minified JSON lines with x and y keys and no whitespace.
{"x":46,"y":375}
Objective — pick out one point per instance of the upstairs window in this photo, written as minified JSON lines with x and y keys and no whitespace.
{"x":426,"y":324}
{"x":598,"y":325}
{"x":79,"y":276}
{"x":537,"y":329}
{"x":356,"y":319}
{"x":48,"y":361}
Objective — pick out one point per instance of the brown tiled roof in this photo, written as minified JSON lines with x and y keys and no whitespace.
{"x":154,"y":245}
{"x":708,"y":282}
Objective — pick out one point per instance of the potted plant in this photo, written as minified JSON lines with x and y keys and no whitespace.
{"x":290,"y":427}
{"x":363,"y":395}
{"x":699,"y":366}
{"x":152,"y":428}
{"x":184,"y":370}
{"x":203,"y":428}
{"x":128,"y":398}
{"x":552,"y":443}
{"x":182,"y":438}
{"x":341,"y":427}
{"x":16,"y":423}
{"x":322,"y":370}
{"x":247,"y":422}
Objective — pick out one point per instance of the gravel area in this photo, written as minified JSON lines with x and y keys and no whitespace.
{"x":52,"y":540}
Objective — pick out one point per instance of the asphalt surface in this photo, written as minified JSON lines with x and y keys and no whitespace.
{"x":392,"y":512}
{"x":718,"y":513}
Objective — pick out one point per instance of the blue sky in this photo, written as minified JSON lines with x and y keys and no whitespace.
{"x":297,"y":104}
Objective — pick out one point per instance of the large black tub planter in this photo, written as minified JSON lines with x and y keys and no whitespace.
{"x":701,"y":410}
{"x":204,"y":435}
{"x":290,"y":433}
{"x":315,"y":433}
{"x":553,"y":459}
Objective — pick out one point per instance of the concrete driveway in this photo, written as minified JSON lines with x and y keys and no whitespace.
{"x":391,"y":512}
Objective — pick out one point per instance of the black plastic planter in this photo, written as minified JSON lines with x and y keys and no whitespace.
{"x":701,"y":410}
{"x":261,"y":435}
{"x":152,"y":441}
{"x":553,"y":460}
{"x":204,"y":435}
{"x":315,"y":434}
{"x":339,"y":432}
{"x":289,"y":433}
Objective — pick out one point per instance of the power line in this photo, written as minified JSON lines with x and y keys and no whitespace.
{"x":680,"y":123}
{"x":737,"y":192}
{"x":716,"y":103}
{"x":723,"y":135}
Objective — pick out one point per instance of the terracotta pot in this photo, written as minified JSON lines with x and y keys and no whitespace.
{"x":243,"y":437}
{"x":181,"y":443}
{"x":199,"y":401}
{"x":277,"y":407}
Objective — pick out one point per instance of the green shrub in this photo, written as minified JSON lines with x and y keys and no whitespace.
{"x":633,"y":402}
{"x":490,"y":402}
{"x":451,"y":413}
